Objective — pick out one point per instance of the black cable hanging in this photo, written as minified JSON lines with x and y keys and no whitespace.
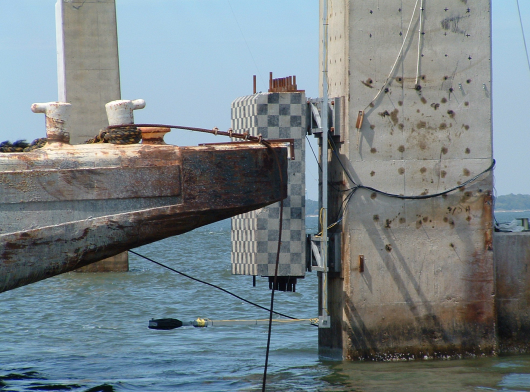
{"x":355,"y":187}
{"x":271,"y":309}
{"x":320,"y":167}
{"x":275,"y":274}
{"x":403,"y":197}
{"x":211,"y":285}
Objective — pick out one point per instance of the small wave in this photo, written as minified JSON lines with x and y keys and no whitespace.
{"x":101,"y":388}
{"x":53,"y":387}
{"x":28,"y":375}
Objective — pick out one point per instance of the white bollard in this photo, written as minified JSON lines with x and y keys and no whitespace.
{"x":121,"y":112}
{"x":57,"y":115}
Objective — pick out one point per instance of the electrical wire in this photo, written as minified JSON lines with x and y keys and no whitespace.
{"x":334,"y":149}
{"x":313,"y":151}
{"x":397,"y":58}
{"x":211,"y":285}
{"x":320,"y":167}
{"x":352,"y":190}
{"x":419,"y":44}
{"x":344,"y":204}
{"x":522,"y":30}
{"x":340,"y":214}
{"x":246,"y":43}
{"x":347,"y":199}
{"x":355,"y":187}
{"x":419,"y":197}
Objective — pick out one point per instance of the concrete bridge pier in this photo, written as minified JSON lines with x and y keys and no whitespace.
{"x":89,"y":77}
{"x":417,"y":277}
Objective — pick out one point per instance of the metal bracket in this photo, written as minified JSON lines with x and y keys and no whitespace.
{"x":324,"y":322}
{"x":314,"y":258}
{"x":314,"y":120}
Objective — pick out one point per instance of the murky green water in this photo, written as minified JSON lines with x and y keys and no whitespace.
{"x":88,"y":332}
{"x":482,"y":374}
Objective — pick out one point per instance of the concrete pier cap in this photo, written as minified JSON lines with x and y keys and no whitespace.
{"x":120,"y":112}
{"x":57,"y":115}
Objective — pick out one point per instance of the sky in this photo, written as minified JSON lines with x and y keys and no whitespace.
{"x":189,"y":59}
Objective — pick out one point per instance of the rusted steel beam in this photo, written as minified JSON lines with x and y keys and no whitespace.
{"x":90,"y":184}
{"x":33,"y":255}
{"x":79,"y":204}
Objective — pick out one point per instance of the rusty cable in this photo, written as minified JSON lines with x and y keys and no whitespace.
{"x":215,"y":131}
{"x":125,"y":134}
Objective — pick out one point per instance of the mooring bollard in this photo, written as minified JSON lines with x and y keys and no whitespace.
{"x":121,"y":112}
{"x":57,"y":115}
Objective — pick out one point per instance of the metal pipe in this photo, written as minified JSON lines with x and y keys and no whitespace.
{"x":171,"y":323}
{"x":324,"y":313}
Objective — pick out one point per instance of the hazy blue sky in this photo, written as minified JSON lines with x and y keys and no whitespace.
{"x":190,"y":58}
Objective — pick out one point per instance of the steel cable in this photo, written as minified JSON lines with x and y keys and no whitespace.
{"x":210,"y":284}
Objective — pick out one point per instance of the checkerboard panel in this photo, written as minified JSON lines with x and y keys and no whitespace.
{"x":255,"y":234}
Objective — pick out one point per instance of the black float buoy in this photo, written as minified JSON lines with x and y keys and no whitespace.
{"x":165,"y":323}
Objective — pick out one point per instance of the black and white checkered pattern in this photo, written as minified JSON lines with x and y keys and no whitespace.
{"x":255,"y":234}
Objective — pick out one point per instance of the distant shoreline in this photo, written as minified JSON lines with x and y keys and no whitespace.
{"x":313,"y":216}
{"x":512,"y":211}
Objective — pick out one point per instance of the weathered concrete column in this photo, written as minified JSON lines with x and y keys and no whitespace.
{"x":88,"y":74}
{"x":417,"y":274}
{"x":87,"y":58}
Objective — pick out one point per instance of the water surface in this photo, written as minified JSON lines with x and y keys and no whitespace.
{"x":88,"y":332}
